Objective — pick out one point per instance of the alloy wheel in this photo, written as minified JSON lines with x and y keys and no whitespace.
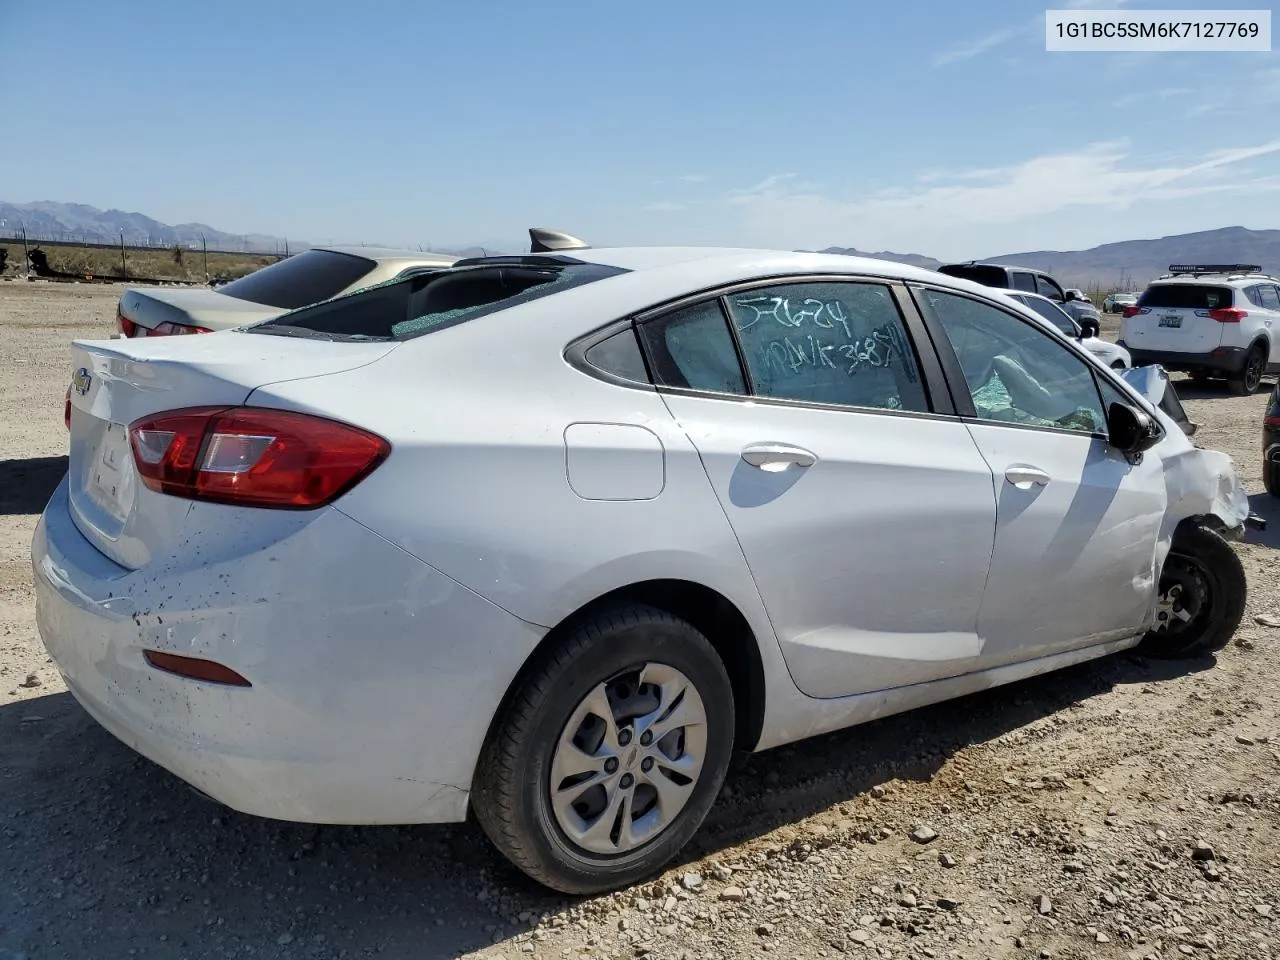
{"x":628,"y":759}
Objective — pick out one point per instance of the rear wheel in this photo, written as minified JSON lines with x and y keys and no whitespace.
{"x":610,"y":753}
{"x":1247,"y":381}
{"x":1202,"y":596}
{"x":1271,"y":477}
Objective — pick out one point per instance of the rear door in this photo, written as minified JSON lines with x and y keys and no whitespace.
{"x":863,"y":507}
{"x":1175,"y":317}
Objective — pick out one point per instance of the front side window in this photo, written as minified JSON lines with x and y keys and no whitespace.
{"x":1051,"y":312}
{"x":1047,"y":288}
{"x":1269,"y":297}
{"x":828,"y":342}
{"x":1017,"y":373}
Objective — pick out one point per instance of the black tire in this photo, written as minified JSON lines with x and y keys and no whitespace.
{"x":1205,"y":566}
{"x":511,"y":792}
{"x":1246,"y":382}
{"x":1271,"y":477}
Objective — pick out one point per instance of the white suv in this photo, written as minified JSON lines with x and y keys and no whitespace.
{"x":1210,"y":321}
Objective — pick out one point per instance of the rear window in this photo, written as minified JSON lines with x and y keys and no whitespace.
{"x":410,"y":307}
{"x":300,"y":280}
{"x":978,"y":273}
{"x":1190,"y":296}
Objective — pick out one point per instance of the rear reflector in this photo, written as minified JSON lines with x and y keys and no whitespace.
{"x":193,"y":668}
{"x":1228,"y":314}
{"x":253,"y":456}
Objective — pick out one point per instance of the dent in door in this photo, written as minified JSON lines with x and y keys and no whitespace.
{"x":614,"y":461}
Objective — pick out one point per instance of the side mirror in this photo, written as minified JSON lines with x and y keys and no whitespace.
{"x":1130,"y":430}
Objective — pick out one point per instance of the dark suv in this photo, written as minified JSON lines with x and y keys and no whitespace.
{"x":1027,"y":280}
{"x":1271,"y":444}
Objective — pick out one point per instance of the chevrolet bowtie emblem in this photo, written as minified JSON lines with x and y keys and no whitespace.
{"x":81,"y":380}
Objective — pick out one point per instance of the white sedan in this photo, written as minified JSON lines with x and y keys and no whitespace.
{"x":546,"y":537}
{"x":305,"y":278}
{"x":1111,"y":355}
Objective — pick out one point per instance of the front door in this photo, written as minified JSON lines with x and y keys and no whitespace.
{"x":865,"y":519}
{"x":1077,"y":524}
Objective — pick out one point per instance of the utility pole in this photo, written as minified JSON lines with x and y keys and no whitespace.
{"x":124,"y":266}
{"x":26,"y":254}
{"x":204,"y":248}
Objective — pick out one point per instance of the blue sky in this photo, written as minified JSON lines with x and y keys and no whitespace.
{"x":940,"y":128}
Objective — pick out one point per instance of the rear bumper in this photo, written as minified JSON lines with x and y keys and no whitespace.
{"x":374,"y":677}
{"x":1223,"y":360}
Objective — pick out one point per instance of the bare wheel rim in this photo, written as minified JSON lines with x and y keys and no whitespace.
{"x":628,"y":759}
{"x":1186,"y":596}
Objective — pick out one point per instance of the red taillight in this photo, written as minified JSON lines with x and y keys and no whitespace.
{"x":66,"y":410}
{"x":1134,"y":311}
{"x":253,"y":456}
{"x":127,"y":326}
{"x":194,"y":668}
{"x":172,"y":330}
{"x":1228,"y":314}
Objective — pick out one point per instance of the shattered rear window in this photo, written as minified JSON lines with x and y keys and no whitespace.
{"x":413,"y":306}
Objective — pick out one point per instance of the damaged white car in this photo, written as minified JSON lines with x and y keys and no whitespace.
{"x":547,"y":537}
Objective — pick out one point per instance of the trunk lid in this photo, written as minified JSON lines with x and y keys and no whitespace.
{"x":115,"y":382}
{"x":1175,"y":317}
{"x":198,"y":307}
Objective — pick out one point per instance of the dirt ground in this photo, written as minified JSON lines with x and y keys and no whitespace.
{"x":1120,"y":809}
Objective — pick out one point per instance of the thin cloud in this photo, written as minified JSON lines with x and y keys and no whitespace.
{"x":1102,"y":177}
{"x":974,"y":48}
{"x":695,"y":178}
{"x":665,"y":206}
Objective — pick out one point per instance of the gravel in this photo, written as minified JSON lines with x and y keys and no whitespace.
{"x":1122,"y":809}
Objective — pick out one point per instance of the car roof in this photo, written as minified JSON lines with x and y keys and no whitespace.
{"x":1001,"y":266}
{"x":390,"y":254}
{"x":1214,"y":279}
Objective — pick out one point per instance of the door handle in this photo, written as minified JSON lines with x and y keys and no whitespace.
{"x":777,"y":456}
{"x":1024,"y":477}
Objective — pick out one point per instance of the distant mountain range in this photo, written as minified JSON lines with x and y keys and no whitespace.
{"x":1129,"y":263}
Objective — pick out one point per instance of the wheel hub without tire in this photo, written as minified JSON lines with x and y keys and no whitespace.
{"x":628,"y":759}
{"x":1184,"y":596}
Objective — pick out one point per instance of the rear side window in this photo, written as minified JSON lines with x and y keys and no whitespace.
{"x":693,"y":348}
{"x":300,"y":280}
{"x":1023,"y":281}
{"x":620,"y":356}
{"x":834,"y":343}
{"x":402,"y":309}
{"x":1270,"y":299}
{"x":1189,"y":296}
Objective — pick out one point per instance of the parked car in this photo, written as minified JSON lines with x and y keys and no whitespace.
{"x":1271,"y":444}
{"x":546,"y":537}
{"x":1116,"y":302}
{"x":1027,"y":280}
{"x":305,"y":278}
{"x":1113,"y":356}
{"x":1209,"y":320}
{"x":1076,"y":295}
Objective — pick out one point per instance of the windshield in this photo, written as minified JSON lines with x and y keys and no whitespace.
{"x":299,"y":280}
{"x":411,"y":307}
